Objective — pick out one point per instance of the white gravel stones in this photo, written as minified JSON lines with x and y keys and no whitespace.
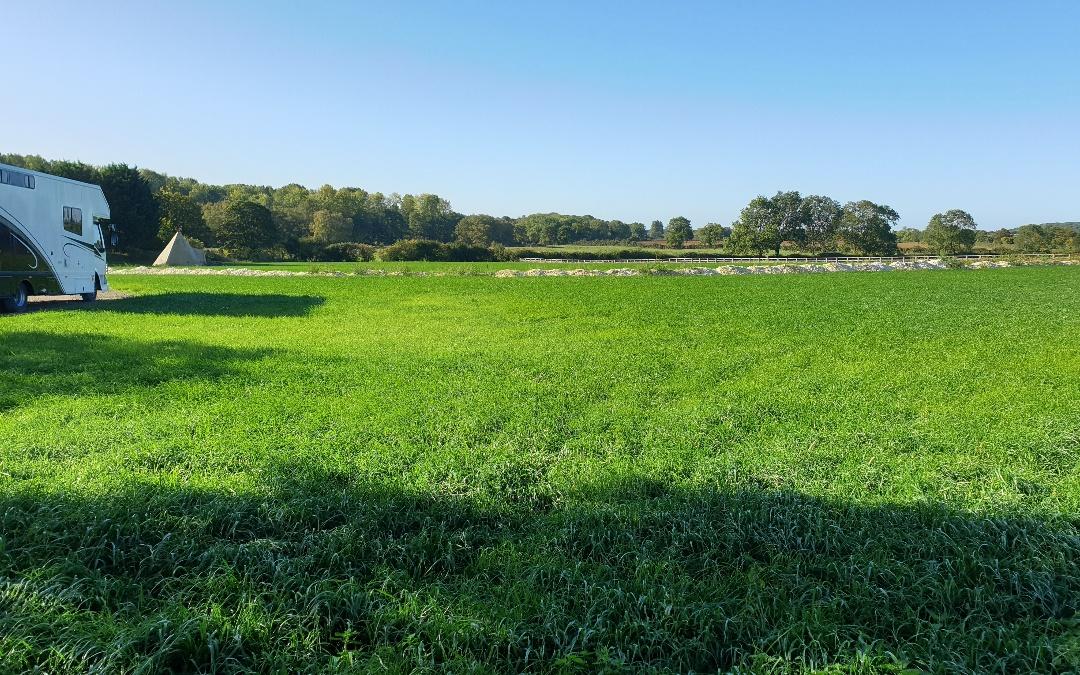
{"x":722,"y":270}
{"x":784,"y":268}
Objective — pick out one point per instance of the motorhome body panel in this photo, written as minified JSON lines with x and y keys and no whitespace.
{"x":53,"y":240}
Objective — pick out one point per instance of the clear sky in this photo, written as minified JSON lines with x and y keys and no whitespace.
{"x":621,"y":109}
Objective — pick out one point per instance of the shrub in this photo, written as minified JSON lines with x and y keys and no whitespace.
{"x":413,"y":249}
{"x":502,"y":254}
{"x":346,"y":251}
{"x":217,"y":256}
{"x":458,"y":252}
{"x":610,"y":254}
{"x":434,"y":251}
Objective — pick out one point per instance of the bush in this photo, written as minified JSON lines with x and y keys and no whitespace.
{"x":653,"y":253}
{"x":346,"y":251}
{"x":248,"y":254}
{"x":464,"y":253}
{"x":502,"y":254}
{"x":216,"y":256}
{"x":132,"y":256}
{"x":411,"y":250}
{"x":313,"y":250}
{"x":610,"y":254}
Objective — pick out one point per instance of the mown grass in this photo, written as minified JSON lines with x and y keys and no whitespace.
{"x":855,"y":472}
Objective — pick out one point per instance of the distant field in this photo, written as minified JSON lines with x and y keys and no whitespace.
{"x":864,"y":472}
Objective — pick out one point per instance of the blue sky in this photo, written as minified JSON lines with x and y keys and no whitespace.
{"x":626,"y":110}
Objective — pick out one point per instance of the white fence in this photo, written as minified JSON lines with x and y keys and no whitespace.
{"x":793,"y":259}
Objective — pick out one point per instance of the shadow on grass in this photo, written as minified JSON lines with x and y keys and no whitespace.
{"x":214,"y":304}
{"x":322,"y":571}
{"x":35,"y":364}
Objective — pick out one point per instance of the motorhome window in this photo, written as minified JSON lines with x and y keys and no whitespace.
{"x":17,"y":178}
{"x":73,"y":220}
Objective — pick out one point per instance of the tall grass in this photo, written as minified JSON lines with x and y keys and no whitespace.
{"x":864,"y":472}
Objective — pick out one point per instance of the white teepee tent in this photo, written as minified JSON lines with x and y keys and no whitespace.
{"x":179,"y":252}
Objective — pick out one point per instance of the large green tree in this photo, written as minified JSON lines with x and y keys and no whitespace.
{"x":75,"y":171}
{"x":484,"y":230}
{"x":429,"y":217}
{"x":788,"y":212}
{"x":330,"y":227}
{"x":820,"y":221}
{"x":756,"y":231}
{"x":866,"y":228}
{"x":678,"y":232}
{"x":951,"y":232}
{"x":617,"y":230}
{"x":656,"y":230}
{"x":133,"y":206}
{"x":244,"y":226}
{"x":909,"y":235}
{"x":180,"y":213}
{"x":712,"y":234}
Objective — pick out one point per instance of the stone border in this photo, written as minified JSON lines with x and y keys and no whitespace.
{"x":722,"y":270}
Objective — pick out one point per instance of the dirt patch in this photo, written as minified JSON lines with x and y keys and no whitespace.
{"x":40,"y":303}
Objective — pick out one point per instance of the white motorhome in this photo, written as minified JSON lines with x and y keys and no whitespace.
{"x":51,"y":241}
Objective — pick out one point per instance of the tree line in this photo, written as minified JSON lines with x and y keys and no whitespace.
{"x":1031,"y":238}
{"x":297,"y":222}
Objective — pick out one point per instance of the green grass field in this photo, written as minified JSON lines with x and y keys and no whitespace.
{"x":845,"y":472}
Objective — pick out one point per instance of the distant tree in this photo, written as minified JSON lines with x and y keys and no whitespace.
{"x":656,"y":230}
{"x":951,"y":232}
{"x":866,"y":228}
{"x":291,"y":222}
{"x":618,"y":230}
{"x":330,"y":227}
{"x":820,"y":221}
{"x":75,"y":171}
{"x":429,"y":217}
{"x":909,"y":235}
{"x":134,"y":208}
{"x":155,"y":180}
{"x":540,"y":228}
{"x":32,"y":162}
{"x":483,"y":230}
{"x":380,"y":221}
{"x":179,"y":213}
{"x":1047,"y":238}
{"x":1065,"y":238}
{"x":244,"y":226}
{"x":678,"y":232}
{"x":1032,"y":238}
{"x":638,"y":232}
{"x":1001,"y":237}
{"x":202,"y":193}
{"x":712,"y":234}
